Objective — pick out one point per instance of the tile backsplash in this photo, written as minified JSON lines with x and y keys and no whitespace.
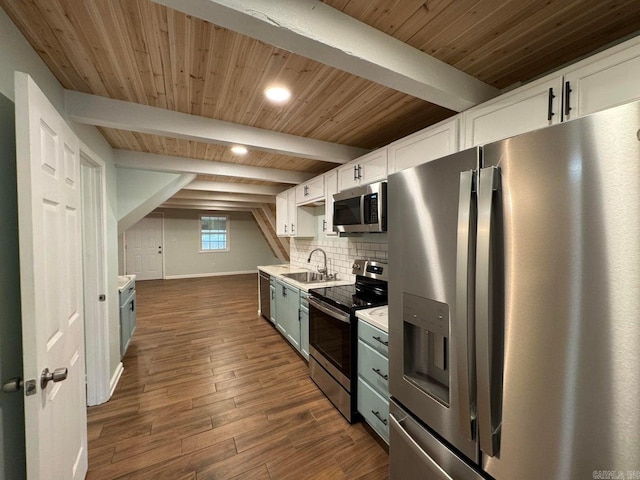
{"x":341,"y":252}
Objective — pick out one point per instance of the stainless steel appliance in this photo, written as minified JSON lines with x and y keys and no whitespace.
{"x":361,"y":209}
{"x":264,"y":298}
{"x":333,"y":335}
{"x":514,"y":307}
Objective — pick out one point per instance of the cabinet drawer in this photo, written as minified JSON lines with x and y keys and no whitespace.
{"x":373,"y":367}
{"x":374,"y":409}
{"x":374,"y":337}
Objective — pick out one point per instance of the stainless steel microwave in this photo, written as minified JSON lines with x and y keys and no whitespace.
{"x":361,"y":209}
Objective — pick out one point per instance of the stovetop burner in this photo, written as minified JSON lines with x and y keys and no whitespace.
{"x":370,"y":290}
{"x":346,"y":297}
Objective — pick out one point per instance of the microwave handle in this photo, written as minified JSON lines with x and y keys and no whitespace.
{"x":362,"y":204}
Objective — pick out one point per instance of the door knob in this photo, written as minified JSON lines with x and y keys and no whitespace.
{"x":58,"y":375}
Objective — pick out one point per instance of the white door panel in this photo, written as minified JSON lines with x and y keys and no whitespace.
{"x":48,"y":162}
{"x":144,"y":249}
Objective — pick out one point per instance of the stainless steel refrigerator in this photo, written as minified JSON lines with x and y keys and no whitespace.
{"x":514,"y":307}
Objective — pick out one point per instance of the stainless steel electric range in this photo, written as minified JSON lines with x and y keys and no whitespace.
{"x":333,"y":332}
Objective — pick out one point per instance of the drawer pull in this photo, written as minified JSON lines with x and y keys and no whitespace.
{"x":377,"y":414}
{"x":377,"y":370}
{"x":386,"y":344}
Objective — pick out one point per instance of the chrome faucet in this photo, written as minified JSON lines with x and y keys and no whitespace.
{"x":320,"y":269}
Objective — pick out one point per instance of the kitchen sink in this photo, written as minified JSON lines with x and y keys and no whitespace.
{"x":307,"y":277}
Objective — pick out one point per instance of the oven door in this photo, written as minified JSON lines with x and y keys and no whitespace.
{"x":330,"y":337}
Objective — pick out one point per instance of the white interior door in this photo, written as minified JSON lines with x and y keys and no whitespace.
{"x":48,"y":166}
{"x":143,"y":245}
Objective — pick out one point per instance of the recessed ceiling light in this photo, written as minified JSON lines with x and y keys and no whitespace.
{"x":239,"y":150}
{"x":277,"y":94}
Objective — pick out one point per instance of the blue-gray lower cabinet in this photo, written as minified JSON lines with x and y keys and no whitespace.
{"x":304,"y":324}
{"x":274,"y":305}
{"x":288,"y":312}
{"x":127,"y":317}
{"x":373,"y":377}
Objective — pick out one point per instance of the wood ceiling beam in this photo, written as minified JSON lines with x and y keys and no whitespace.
{"x":270,"y":236}
{"x":134,"y":117}
{"x":186,"y":202}
{"x":171,"y":164}
{"x":212,"y":209}
{"x":205,"y":186}
{"x":317,"y":31}
{"x":225,"y":197}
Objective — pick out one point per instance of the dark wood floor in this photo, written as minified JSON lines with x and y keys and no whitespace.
{"x":211,"y":390}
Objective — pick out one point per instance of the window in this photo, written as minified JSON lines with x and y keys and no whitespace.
{"x":214,"y":233}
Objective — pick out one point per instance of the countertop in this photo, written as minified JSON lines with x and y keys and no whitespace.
{"x":378,"y":317}
{"x":124,"y":281}
{"x":279,"y":270}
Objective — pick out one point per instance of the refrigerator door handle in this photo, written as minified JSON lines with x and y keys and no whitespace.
{"x":488,"y":403}
{"x":464,"y":322}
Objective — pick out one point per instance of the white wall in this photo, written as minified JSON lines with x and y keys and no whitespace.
{"x":341,"y":252}
{"x":136,"y":186}
{"x":248,"y":247}
{"x":17,"y":55}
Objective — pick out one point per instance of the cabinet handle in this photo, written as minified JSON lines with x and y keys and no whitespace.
{"x":550,"y":109}
{"x":386,"y":344}
{"x":355,"y":172}
{"x":306,"y":191}
{"x":273,"y":294}
{"x":567,"y":98}
{"x":284,"y":291}
{"x":377,"y":370}
{"x":293,"y":228}
{"x":324,"y":225}
{"x":377,"y":414}
{"x":359,"y":172}
{"x":285,"y":229}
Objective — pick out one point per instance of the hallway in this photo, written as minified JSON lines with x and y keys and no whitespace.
{"x":211,"y":390}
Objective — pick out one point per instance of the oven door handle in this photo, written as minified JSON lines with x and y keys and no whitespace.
{"x":329,"y":310}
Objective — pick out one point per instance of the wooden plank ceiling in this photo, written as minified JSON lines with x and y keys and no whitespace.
{"x":142,"y":52}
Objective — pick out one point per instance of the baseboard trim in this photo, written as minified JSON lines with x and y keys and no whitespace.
{"x":115,"y":378}
{"x":217,"y":274}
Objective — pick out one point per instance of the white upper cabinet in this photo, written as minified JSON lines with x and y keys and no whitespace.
{"x":292,"y":220}
{"x":434,"y":142}
{"x":282,"y":214}
{"x":369,"y":168}
{"x":605,"y":80}
{"x":330,"y":187}
{"x":528,"y":108}
{"x":310,"y":191}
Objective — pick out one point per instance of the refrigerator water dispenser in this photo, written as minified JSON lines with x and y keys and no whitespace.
{"x":426,"y":345}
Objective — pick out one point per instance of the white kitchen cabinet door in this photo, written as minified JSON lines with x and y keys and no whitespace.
{"x":605,"y":80}
{"x":434,"y":142}
{"x":302,"y":222}
{"x":330,"y":187}
{"x":310,"y":191}
{"x":369,"y":168}
{"x":282,"y":214}
{"x":525,"y":109}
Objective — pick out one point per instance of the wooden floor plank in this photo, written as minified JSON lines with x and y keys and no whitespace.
{"x":212,"y":390}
